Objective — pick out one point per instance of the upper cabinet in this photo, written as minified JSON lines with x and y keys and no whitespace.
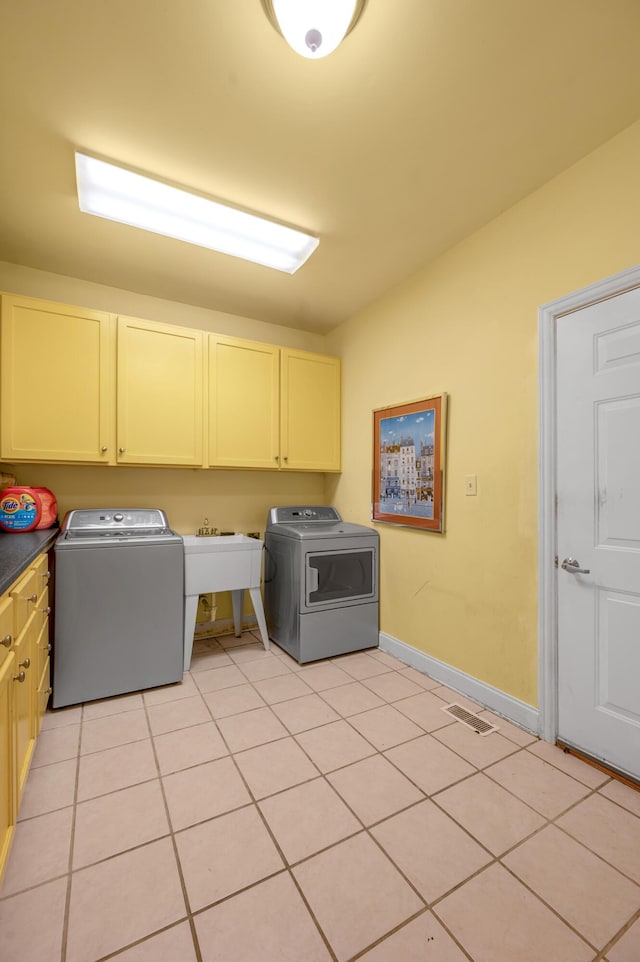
{"x":272,"y":407}
{"x":310,"y":411}
{"x":57,"y":367}
{"x":89,"y":387}
{"x":244,"y":403}
{"x":160,"y":394}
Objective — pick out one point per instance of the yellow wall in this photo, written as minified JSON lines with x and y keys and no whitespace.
{"x":467,"y":325}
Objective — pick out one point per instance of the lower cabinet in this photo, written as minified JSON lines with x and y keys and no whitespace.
{"x":24,"y":687}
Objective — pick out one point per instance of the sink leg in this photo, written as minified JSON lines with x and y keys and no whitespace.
{"x":256,"y":598}
{"x":190,"y":612}
{"x":237,"y":600}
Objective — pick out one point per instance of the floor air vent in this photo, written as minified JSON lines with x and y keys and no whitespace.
{"x":479,"y":725}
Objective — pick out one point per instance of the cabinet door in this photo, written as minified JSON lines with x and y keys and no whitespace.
{"x":57,"y":382}
{"x":7,"y":787}
{"x":24,"y":680}
{"x":243,"y":403}
{"x":310,"y":413}
{"x":160,"y":394}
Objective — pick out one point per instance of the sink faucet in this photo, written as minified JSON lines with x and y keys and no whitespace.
{"x":205,"y":531}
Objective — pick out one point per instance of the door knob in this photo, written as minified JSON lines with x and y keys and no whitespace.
{"x":573,"y":566}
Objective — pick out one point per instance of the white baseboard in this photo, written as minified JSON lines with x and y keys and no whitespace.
{"x":514,"y":710}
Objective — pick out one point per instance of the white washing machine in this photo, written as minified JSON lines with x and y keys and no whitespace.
{"x":321,"y":583}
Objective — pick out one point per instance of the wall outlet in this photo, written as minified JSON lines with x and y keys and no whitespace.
{"x":471,"y":485}
{"x":253,"y":534}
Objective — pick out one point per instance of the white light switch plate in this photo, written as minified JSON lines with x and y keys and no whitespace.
{"x":471,"y":485}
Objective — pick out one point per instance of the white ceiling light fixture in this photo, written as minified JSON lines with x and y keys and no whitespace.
{"x":118,"y":194}
{"x":314,"y":28}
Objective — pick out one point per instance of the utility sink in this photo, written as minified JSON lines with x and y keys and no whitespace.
{"x":222,"y":563}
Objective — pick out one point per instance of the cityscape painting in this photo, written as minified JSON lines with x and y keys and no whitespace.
{"x":408,"y":463}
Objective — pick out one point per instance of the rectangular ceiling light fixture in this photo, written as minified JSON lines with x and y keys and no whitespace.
{"x":129,"y":198}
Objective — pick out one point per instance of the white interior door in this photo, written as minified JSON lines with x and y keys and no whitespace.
{"x":598,"y":530}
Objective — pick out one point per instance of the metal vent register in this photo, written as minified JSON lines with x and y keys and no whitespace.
{"x":479,"y":725}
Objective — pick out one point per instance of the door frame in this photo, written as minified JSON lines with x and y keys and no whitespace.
{"x":548,"y":317}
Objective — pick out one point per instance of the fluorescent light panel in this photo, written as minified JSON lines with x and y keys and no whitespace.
{"x":121,"y":195}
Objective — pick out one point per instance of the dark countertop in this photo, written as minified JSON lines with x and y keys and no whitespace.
{"x":18,"y":550}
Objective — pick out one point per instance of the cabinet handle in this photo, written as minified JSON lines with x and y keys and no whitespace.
{"x":276,"y":457}
{"x":33,"y":598}
{"x":47,"y":576}
{"x":286,"y":458}
{"x":104,"y":448}
{"x":7,"y":641}
{"x":47,"y":610}
{"x":121,"y":450}
{"x":47,"y":691}
{"x":21,"y":676}
{"x":25,"y":664}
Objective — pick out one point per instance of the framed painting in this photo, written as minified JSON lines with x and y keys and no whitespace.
{"x":408,"y":463}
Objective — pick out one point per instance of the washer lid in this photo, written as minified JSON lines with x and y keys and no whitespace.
{"x":97,"y":523}
{"x":314,"y":531}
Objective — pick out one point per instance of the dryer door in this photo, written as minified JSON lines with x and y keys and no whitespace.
{"x":334,"y":579}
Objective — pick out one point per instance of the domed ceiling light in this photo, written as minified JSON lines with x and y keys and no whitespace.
{"x":314,"y":28}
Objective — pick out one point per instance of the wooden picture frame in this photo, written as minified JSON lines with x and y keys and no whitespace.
{"x":408,"y":464}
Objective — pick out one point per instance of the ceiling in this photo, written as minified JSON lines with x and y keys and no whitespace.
{"x":430,"y":119}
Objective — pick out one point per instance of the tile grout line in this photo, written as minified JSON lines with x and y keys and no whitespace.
{"x":67,"y":904}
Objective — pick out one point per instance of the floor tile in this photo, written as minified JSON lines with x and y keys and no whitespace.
{"x":335,"y":745}
{"x":172,"y":945}
{"x":177,"y":714}
{"x":356,"y":894}
{"x":189,"y":746}
{"x":61,"y":717}
{"x":420,"y":678}
{"x":115,"y":768}
{"x":626,"y":948}
{"x":537,"y":783}
{"x":48,"y":788}
{"x":232,"y":701}
{"x":374,"y":789}
{"x":429,"y":764}
{"x":24,"y":940}
{"x":325,"y":675}
{"x":251,"y":652}
{"x":224,"y":855}
{"x":569,"y":764}
{"x":590,"y":895}
{"x":282,"y":688}
{"x":386,"y":659}
{"x":423,"y":940}
{"x":628,"y":797}
{"x":56,"y":745}
{"x":479,"y":750}
{"x":202,"y":660}
{"x":360,"y":665}
{"x":114,"y":823}
{"x":351,"y":699}
{"x":200,"y":793}
{"x":251,"y":728}
{"x":392,"y":686}
{"x":449,"y":696}
{"x":497,"y":819}
{"x":497,"y":919}
{"x":118,"y":901}
{"x":385,"y":727}
{"x":101,"y":733}
{"x":280,"y":929}
{"x":274,"y":767}
{"x":182,"y":689}
{"x":607,"y":830}
{"x":301,"y":714}
{"x":40,"y":851}
{"x":508,"y":730}
{"x":215,"y":678}
{"x":264,"y":668}
{"x":432,"y":851}
{"x":308,"y":818}
{"x":112,"y":706}
{"x":425,"y":710}
{"x":230,"y":640}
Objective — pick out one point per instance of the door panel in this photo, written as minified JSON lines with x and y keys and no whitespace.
{"x":598,"y":487}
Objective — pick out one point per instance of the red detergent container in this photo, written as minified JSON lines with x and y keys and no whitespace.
{"x":25,"y":509}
